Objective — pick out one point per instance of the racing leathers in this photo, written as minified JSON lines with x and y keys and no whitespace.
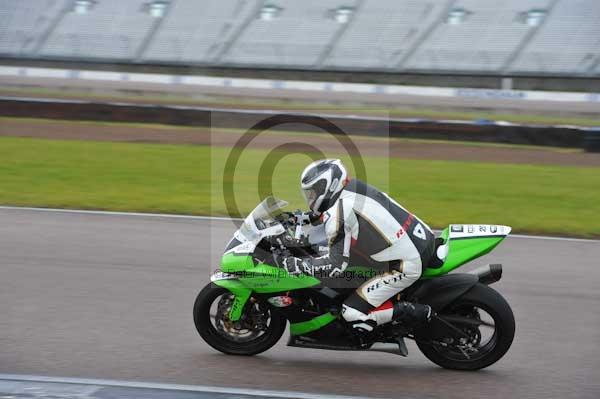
{"x":367,"y":228}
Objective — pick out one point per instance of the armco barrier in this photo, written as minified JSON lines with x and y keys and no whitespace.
{"x":484,"y":131}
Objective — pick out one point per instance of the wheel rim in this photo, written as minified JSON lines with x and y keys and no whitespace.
{"x":479,"y":336}
{"x":252,"y":326}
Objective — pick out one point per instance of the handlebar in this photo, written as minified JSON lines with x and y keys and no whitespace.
{"x":298,"y":217}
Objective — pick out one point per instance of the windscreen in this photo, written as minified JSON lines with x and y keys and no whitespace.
{"x":267,"y":209}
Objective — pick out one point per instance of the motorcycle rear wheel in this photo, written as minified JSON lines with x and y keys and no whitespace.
{"x":212,"y":331}
{"x":480,"y":298}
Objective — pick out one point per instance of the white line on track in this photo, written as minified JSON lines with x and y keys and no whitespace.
{"x":224,"y":218}
{"x":172,"y":387}
{"x":112,"y":213}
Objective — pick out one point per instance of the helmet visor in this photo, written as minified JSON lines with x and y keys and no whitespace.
{"x":311,"y":194}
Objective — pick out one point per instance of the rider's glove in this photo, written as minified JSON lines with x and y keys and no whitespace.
{"x":313,"y":218}
{"x":297,"y":266}
{"x":310,"y":218}
{"x":287,"y":241}
{"x":303,"y":218}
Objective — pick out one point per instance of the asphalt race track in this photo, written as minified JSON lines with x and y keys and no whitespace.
{"x":110,"y":296}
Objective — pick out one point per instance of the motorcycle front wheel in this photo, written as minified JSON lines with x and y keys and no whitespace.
{"x":257,"y":330}
{"x":478,"y":329}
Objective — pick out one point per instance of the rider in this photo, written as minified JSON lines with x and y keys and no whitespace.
{"x":365,"y":227}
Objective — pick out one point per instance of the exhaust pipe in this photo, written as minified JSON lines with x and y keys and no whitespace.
{"x":488,"y":274}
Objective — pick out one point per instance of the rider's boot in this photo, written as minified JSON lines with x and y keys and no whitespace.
{"x":362,"y":331}
{"x":411,"y":313}
{"x":404,"y":312}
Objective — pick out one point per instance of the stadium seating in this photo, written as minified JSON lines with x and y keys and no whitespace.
{"x":296,"y":36}
{"x":484,"y":41}
{"x":470,"y":36}
{"x":568,"y":42}
{"x":24,"y":22}
{"x":382,"y":32}
{"x":112,"y":29}
{"x":198,"y":31}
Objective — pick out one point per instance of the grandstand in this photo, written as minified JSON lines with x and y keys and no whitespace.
{"x":569,"y":43}
{"x":383,"y":32}
{"x":114,"y":29}
{"x":197,"y":31}
{"x":484,"y":36}
{"x":537,"y":37}
{"x":284,"y":39}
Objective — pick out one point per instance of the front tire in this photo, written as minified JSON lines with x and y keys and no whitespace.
{"x":491,"y":302}
{"x":231,"y":345}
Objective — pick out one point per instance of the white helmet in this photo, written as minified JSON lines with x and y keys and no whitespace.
{"x":321,"y":183}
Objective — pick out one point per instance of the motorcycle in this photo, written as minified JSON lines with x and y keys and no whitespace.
{"x":246,"y":306}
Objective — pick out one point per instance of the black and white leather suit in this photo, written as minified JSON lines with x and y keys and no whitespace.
{"x":365,"y":227}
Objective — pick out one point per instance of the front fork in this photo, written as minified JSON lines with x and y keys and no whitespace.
{"x":241,"y":293}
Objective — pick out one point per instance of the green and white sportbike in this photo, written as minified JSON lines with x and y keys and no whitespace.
{"x":244,"y":310}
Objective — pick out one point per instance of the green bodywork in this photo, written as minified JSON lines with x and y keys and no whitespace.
{"x":312,"y":324}
{"x":231,"y":263}
{"x":262,"y":278}
{"x":461,"y":251}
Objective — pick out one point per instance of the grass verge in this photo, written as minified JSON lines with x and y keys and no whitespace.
{"x":289,"y":133}
{"x":186,"y":179}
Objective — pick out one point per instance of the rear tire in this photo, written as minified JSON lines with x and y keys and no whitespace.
{"x":486,"y":298}
{"x":206,"y":329}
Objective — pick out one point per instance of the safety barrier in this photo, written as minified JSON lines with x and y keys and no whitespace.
{"x":479,"y":131}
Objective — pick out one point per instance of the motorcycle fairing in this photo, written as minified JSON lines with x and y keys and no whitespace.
{"x":466,"y":242}
{"x":262,"y":279}
{"x":316,"y":323}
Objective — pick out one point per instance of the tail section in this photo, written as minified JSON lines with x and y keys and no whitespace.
{"x":465,"y":242}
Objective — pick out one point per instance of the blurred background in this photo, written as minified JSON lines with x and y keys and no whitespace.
{"x":445,"y":81}
{"x":465,"y":111}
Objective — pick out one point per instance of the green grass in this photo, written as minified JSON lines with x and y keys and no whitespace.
{"x":187,"y":179}
{"x":215,"y":130}
{"x":458,"y":113}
